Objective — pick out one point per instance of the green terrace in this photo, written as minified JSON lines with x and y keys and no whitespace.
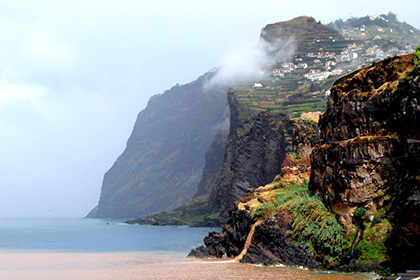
{"x":289,"y":95}
{"x":331,"y":46}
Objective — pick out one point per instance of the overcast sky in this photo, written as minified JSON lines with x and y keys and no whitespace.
{"x":74,"y":75}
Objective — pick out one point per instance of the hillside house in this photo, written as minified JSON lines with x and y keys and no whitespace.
{"x":317,"y":75}
{"x":302,"y":66}
{"x":371,"y":51}
{"x":277,"y":71}
{"x":330,"y":63}
{"x":288,"y":66}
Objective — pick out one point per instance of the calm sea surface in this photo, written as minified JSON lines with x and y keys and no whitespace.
{"x":95,"y":235}
{"x":43,"y":249}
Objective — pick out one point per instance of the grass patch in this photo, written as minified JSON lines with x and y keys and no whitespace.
{"x":264,"y":211}
{"x":313,"y":223}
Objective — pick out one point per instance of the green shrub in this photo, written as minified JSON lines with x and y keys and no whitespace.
{"x":360,"y":212}
{"x":416,"y":58}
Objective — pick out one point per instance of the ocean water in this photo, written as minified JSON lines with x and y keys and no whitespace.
{"x":87,"y":249}
{"x":96,"y":235}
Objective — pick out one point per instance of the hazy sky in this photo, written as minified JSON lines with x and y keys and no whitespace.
{"x":74,"y":75}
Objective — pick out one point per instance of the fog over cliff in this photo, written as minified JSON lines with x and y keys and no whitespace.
{"x":75,"y":74}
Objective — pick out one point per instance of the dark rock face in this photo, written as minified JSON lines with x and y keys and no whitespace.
{"x":165,"y":154}
{"x":305,"y":135}
{"x":367,"y":158}
{"x":273,"y":244}
{"x":214,"y":158}
{"x":373,"y":100}
{"x":371,"y":145}
{"x":230,"y":241}
{"x":253,"y":156}
{"x":371,"y":133}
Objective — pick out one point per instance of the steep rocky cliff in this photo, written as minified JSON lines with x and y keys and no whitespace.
{"x":164,"y":158}
{"x":255,"y":150}
{"x":260,"y":132}
{"x":367,"y":169}
{"x":361,"y":210}
{"x":272,"y":241}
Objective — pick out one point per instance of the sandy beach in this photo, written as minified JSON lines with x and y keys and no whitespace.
{"x":19,"y":265}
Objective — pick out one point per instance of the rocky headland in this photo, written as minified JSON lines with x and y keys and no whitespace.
{"x":163,"y":161}
{"x":361,"y":208}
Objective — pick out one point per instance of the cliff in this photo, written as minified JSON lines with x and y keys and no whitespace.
{"x":367,"y":168}
{"x":361,"y":209}
{"x":256,"y":135}
{"x":271,"y":242}
{"x":254,"y":152}
{"x":163,"y":161}
{"x":260,"y":134}
{"x":163,"y":169}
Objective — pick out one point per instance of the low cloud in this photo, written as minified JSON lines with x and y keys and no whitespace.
{"x":244,"y":61}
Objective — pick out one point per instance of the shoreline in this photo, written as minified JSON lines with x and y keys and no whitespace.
{"x":23,"y":264}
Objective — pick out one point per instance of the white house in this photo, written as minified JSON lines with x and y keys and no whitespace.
{"x":302,"y":65}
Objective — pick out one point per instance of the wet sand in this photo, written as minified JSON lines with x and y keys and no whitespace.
{"x":19,"y":265}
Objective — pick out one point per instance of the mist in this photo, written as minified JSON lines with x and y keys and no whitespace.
{"x":75,"y":74}
{"x":245,"y":61}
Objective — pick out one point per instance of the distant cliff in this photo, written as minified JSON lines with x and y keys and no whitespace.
{"x":163,"y":162}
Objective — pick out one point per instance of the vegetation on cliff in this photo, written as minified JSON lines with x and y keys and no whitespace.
{"x":416,"y":59}
{"x":313,"y":224}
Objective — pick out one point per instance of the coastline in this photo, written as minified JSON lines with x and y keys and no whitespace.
{"x":34,"y":265}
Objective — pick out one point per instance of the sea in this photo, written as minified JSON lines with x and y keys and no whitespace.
{"x":79,"y":248}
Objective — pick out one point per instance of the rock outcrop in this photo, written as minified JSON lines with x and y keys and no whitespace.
{"x":305,"y":133}
{"x":369,"y":154}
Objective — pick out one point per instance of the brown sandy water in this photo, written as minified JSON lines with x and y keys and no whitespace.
{"x":19,"y":265}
